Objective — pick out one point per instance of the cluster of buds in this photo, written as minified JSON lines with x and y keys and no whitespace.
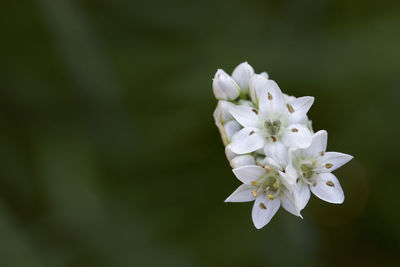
{"x":271,"y":146}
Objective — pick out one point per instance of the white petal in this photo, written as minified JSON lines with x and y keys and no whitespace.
{"x":221,"y":113}
{"x":229,"y":153}
{"x":330,"y":161}
{"x":271,"y":162}
{"x":224,"y":87}
{"x":288,"y":179}
{"x":328,"y":188}
{"x":246,"y":116}
{"x":250,"y":173}
{"x":301,"y":195}
{"x":318,"y":144}
{"x":299,"y":108}
{"x":272,"y":102}
{"x":277,"y":151}
{"x":246,"y":141}
{"x":231,"y":128}
{"x":297,"y":136}
{"x":242,"y":160}
{"x":241,"y":194}
{"x":288,"y":202}
{"x":257,"y":85}
{"x":241,"y":74}
{"x":263,"y":210}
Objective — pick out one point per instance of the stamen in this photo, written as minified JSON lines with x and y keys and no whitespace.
{"x":255,"y":183}
{"x":252,"y":132}
{"x":290,"y":108}
{"x":254,"y":192}
{"x":328,"y":165}
{"x":267,"y":168}
{"x":314,"y":183}
{"x":314,"y":162}
{"x":255,"y":111}
{"x":330,"y":183}
{"x":262,"y":206}
{"x":295,"y":130}
{"x":271,"y":197}
{"x":322,"y":153}
{"x":269,"y":96}
{"x":273,"y":138}
{"x":276,"y":185}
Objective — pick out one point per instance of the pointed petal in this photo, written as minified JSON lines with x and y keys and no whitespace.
{"x":298,"y":108}
{"x":318,"y":144}
{"x":246,"y":141}
{"x":242,"y":194}
{"x":263,"y":210}
{"x":272,"y":102}
{"x":276,"y":151}
{"x":257,"y":84}
{"x":301,"y":195}
{"x":328,"y":188}
{"x":271,"y":162}
{"x":241,"y":74}
{"x":330,"y":161}
{"x":231,"y":128}
{"x":246,"y":116}
{"x":250,"y":173}
{"x":242,"y":161}
{"x":297,"y":136}
{"x":288,"y":202}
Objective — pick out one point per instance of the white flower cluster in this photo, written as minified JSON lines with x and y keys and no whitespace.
{"x":271,"y":146}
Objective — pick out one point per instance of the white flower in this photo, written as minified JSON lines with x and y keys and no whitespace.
{"x":275,"y":125}
{"x":268,"y":187}
{"x":241,"y":74}
{"x":224,"y":87}
{"x":310,"y":168}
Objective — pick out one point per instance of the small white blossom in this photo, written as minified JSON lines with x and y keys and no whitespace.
{"x":274,"y":126}
{"x":224,"y":87}
{"x":241,"y":74}
{"x":266,"y":185}
{"x":310,"y":169}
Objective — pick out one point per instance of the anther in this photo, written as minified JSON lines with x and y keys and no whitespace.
{"x":290,"y":108}
{"x":273,"y":138}
{"x":255,"y":183}
{"x":276,"y":185}
{"x":295,"y":130}
{"x":271,"y":197}
{"x":328,"y":165}
{"x":255,"y":111}
{"x":314,"y":183}
{"x":254,"y":192}
{"x":267,"y":168}
{"x":314,"y":162}
{"x":304,"y":174}
{"x":322,"y":153}
{"x":262,"y":206}
{"x":330,"y":183}
{"x":252,"y":132}
{"x":269,"y":96}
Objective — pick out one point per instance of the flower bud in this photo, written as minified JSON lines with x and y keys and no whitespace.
{"x":231,"y":128}
{"x":241,"y":74}
{"x":264,"y":74}
{"x":257,"y":84}
{"x":224,"y":87}
{"x":242,"y":160}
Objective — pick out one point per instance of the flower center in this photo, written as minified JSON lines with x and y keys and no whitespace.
{"x":268,"y":185}
{"x":273,"y":127}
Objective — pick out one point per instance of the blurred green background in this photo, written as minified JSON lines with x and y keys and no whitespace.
{"x":109,"y":155}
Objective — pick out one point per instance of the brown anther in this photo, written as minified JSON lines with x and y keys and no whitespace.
{"x":252,"y":132}
{"x":322,"y":153}
{"x":254,"y":193}
{"x":262,"y":206}
{"x":267,"y":168}
{"x":271,"y":197}
{"x":304,"y":174}
{"x":269,"y":96}
{"x":273,"y":138}
{"x":314,"y":183}
{"x":294,"y":130}
{"x":328,"y":165}
{"x":255,"y":111}
{"x":290,"y":108}
{"x":255,"y":183}
{"x":330,"y":183}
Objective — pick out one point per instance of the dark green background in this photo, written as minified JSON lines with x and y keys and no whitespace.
{"x":109,"y":155}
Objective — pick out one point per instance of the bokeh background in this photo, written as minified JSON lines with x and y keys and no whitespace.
{"x":109,"y":155}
